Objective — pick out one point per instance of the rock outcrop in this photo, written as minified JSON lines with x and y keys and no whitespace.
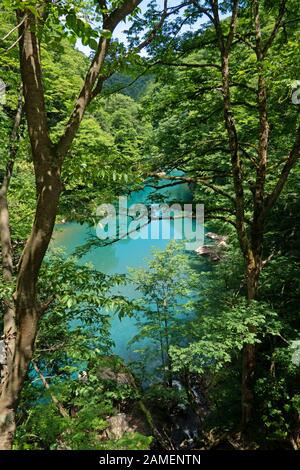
{"x":215,"y":251}
{"x":133,"y":421}
{"x":131,"y":418}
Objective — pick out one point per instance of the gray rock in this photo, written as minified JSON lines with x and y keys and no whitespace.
{"x":129,"y":422}
{"x":218,"y":238}
{"x":121,"y":377}
{"x":214,"y":251}
{"x":118,"y":425}
{"x":209,"y":250}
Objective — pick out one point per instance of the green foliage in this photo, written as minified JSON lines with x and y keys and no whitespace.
{"x":36,"y":433}
{"x":164,"y":398}
{"x":74,"y":336}
{"x":106,"y":157}
{"x":186,"y":106}
{"x":22,"y":200}
{"x":223,"y":333}
{"x":278,"y":398}
{"x":121,"y":83}
{"x":131,"y":441}
{"x":190,"y":324}
{"x":166,"y":285}
{"x":78,"y":318}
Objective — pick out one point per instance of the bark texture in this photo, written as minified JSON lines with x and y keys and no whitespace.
{"x":24,"y":311}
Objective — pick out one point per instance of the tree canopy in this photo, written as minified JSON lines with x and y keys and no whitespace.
{"x":195,"y":93}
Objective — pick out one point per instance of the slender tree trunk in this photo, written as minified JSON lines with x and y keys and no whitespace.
{"x":248,"y":354}
{"x":254,"y":262}
{"x":6,"y":248}
{"x":169,"y":363}
{"x":21,"y":348}
{"x":5,"y":235}
{"x":7,"y":253}
{"x":248,"y":369}
{"x":9,"y":330}
{"x":64,"y":413}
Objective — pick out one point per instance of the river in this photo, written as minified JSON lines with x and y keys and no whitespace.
{"x":117,"y":257}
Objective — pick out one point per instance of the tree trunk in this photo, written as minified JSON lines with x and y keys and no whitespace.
{"x":21,"y":347}
{"x":248,"y":369}
{"x":24,"y":311}
{"x":252,"y":274}
{"x":248,"y":355}
{"x":251,"y":244}
{"x":7,"y":256}
{"x":25,"y":308}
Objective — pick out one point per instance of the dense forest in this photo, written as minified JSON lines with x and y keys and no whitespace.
{"x":189,"y":102}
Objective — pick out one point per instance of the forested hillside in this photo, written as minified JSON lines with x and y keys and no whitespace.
{"x":199,"y":105}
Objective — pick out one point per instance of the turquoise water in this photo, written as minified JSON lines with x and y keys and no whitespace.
{"x":117,"y":257}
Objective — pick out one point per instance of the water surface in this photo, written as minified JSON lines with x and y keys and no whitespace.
{"x":117,"y":257}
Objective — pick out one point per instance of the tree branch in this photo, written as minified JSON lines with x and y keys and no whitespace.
{"x":289,"y":165}
{"x":182,"y":64}
{"x":188,"y":179}
{"x":233,"y":23}
{"x":156,"y":28}
{"x":14,"y":28}
{"x":55,"y":400}
{"x":204,"y":11}
{"x":86,"y":94}
{"x":230,"y":125}
{"x":33,"y":90}
{"x":278,"y":23}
